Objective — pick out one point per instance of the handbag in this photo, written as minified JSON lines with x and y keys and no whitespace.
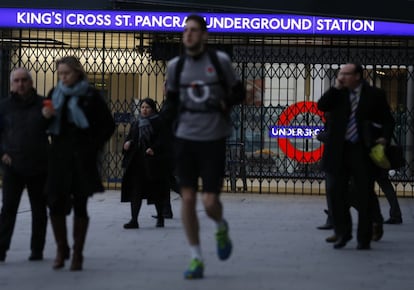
{"x":395,"y":154}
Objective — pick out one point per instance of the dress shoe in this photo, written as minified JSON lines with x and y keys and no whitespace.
{"x":393,"y":221}
{"x":325,"y":227}
{"x":331,"y":239}
{"x":160,"y":223}
{"x":131,"y":225}
{"x":377,"y":232}
{"x":363,"y":246}
{"x":342,"y":241}
{"x":2,"y":256}
{"x":166,"y":216}
{"x":35,"y":256}
{"x":328,"y":224}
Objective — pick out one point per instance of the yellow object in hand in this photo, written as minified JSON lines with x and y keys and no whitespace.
{"x":378,"y":156}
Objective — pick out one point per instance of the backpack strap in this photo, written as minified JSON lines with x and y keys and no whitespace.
{"x":234,"y":95}
{"x":178,"y":69}
{"x":217,"y":66}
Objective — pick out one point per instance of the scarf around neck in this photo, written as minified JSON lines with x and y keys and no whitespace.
{"x":145,"y":130}
{"x":74,"y":112}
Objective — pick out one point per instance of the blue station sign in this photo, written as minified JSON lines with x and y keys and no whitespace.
{"x":217,"y":22}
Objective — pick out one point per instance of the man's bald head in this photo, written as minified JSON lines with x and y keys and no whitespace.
{"x":21,"y":81}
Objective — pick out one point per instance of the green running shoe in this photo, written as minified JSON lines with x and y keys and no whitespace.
{"x":224,"y":245}
{"x":195,"y":270}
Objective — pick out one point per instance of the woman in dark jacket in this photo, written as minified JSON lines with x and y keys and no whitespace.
{"x":80,"y":125}
{"x":146,"y":164}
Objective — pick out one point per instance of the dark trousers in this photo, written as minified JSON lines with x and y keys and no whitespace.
{"x":357,"y":167}
{"x":375,"y":206}
{"x":376,"y":214}
{"x":381,"y":177}
{"x":136,"y":202}
{"x":13,"y":186}
{"x":166,"y":206}
{"x":329,"y":191}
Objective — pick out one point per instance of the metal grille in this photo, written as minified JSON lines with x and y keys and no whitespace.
{"x":279,"y":71}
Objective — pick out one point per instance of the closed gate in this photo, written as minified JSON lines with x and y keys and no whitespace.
{"x":284,"y":76}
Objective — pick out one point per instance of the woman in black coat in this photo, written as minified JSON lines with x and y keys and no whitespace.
{"x":146,"y":164}
{"x":80,"y":125}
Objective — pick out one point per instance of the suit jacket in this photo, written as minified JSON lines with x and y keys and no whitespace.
{"x":372,"y":108}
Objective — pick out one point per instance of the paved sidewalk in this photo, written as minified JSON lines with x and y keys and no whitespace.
{"x":276,"y":246}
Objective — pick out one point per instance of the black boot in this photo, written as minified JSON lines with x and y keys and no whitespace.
{"x":131,"y":225}
{"x":166,"y":208}
{"x":160,"y":217}
{"x":2,"y":256}
{"x":135,"y":208}
{"x":160,"y":222}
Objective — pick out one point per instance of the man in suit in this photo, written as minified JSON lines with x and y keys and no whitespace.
{"x":353,"y":105}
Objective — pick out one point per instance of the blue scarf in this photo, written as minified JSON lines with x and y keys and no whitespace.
{"x":74,"y":113}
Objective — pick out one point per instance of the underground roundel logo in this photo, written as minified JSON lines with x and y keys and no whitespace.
{"x":284,"y":122}
{"x":198,"y":92}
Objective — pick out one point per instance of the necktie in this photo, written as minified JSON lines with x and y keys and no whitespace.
{"x":352,"y":130}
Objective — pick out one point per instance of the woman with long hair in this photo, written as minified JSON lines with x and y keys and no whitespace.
{"x":146,"y":164}
{"x":80,"y":124}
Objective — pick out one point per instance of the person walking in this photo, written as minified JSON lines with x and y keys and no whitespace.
{"x":147,"y":174}
{"x":323,"y":137}
{"x":23,"y":151}
{"x":377,"y":218}
{"x":384,"y":182}
{"x":80,"y":123}
{"x":352,"y":104}
{"x":202,"y":87}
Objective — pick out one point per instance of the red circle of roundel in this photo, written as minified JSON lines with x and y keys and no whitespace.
{"x":284,"y":143}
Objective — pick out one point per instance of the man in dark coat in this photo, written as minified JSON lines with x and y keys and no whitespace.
{"x":354,"y":106}
{"x":23,"y":154}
